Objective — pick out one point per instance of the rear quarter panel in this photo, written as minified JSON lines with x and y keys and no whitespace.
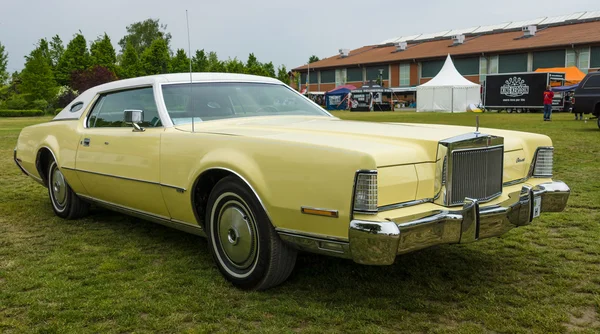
{"x":61,"y":138}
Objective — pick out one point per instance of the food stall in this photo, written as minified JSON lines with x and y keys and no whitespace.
{"x":371,"y":97}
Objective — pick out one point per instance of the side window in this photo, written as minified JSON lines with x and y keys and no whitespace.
{"x":592,"y":82}
{"x":109,"y":109}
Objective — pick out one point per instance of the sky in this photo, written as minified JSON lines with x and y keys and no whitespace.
{"x":284,"y":32}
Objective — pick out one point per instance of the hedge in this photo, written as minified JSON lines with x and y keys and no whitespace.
{"x":20,"y":113}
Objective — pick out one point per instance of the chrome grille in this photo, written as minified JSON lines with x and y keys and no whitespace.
{"x":475,"y":173}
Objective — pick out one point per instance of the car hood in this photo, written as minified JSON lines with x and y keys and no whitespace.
{"x":389,"y":143}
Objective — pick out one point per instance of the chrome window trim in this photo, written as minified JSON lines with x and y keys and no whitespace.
{"x":92,"y":105}
{"x":163,"y":106}
{"x":179,"y":189}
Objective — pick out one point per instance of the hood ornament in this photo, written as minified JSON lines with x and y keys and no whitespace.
{"x":477,"y":125}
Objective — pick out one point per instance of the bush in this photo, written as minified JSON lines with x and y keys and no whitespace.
{"x":16,"y":102}
{"x":20,"y":113}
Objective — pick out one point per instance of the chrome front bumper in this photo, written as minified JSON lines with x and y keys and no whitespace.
{"x":378,"y":243}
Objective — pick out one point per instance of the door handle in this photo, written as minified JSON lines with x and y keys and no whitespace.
{"x":85,"y":142}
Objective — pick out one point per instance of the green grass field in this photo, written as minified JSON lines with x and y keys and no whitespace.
{"x":111,"y":273}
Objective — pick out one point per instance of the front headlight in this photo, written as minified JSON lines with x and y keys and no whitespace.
{"x":544,"y":159}
{"x":365,"y":192}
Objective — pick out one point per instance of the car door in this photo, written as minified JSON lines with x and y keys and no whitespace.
{"x":117,"y":163}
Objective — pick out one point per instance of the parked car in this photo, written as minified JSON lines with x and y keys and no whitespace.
{"x":215,"y":155}
{"x":587,"y":95}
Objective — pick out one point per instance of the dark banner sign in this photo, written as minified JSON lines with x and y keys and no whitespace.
{"x":519,"y":90}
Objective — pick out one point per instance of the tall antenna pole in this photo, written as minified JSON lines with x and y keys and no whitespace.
{"x":187,"y":21}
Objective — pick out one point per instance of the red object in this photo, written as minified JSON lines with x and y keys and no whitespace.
{"x":548,"y":96}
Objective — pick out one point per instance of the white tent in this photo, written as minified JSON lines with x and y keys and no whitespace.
{"x":448,"y":91}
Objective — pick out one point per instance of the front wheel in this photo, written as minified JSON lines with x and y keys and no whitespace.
{"x":65,"y":203}
{"x":244,"y":244}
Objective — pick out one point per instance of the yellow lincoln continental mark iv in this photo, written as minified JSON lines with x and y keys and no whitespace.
{"x":263,"y":172}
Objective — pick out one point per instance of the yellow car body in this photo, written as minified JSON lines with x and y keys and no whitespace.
{"x":302,"y":169}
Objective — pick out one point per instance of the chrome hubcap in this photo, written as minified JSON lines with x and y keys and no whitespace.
{"x":237,"y":234}
{"x":59,"y":189}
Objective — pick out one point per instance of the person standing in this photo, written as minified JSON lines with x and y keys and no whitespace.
{"x":548,"y":96}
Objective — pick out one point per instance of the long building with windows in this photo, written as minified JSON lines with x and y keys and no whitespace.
{"x":405,"y":62}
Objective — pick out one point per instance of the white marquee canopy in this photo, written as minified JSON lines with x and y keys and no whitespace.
{"x":448,"y":91}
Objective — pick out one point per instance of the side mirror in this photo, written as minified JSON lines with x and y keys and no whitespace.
{"x":134,"y":117}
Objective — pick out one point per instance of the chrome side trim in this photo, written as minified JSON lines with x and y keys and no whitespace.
{"x":179,"y":189}
{"x":316,"y":245}
{"x":281,"y":230}
{"x":166,"y":221}
{"x":332,"y":213}
{"x":404,"y":204}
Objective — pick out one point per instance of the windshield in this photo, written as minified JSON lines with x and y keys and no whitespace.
{"x":212,"y":101}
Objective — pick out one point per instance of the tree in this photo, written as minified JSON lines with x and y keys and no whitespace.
{"x":282,"y":75}
{"x":200,"y":62}
{"x":142,"y":34}
{"x":37,"y":79}
{"x":268,"y":70}
{"x":313,"y":59}
{"x":214,"y":64}
{"x":180,"y":63}
{"x":253,"y":66}
{"x":130,"y":63}
{"x":3,"y":64}
{"x":103,"y":53}
{"x":56,"y":50}
{"x":156,"y":58}
{"x":75,"y":58}
{"x":83,"y":80}
{"x":234,"y":66}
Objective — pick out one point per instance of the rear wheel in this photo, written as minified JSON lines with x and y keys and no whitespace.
{"x":65,"y":203}
{"x":244,"y":244}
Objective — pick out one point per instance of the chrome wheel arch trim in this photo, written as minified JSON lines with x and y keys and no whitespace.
{"x":262,"y":204}
{"x":37,"y":161}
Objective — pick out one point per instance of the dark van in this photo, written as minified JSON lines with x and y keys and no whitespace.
{"x":587,"y":95}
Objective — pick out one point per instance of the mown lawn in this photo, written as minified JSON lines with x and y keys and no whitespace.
{"x":111,"y":273}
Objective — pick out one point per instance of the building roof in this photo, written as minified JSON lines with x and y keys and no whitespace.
{"x":584,"y":33}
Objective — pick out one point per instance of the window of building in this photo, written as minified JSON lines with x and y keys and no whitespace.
{"x":355,"y":74}
{"x":373,"y":72}
{"x":328,"y":76}
{"x":109,"y":110}
{"x":431,"y":68}
{"x":583,"y":59}
{"x":595,"y":57}
{"x":545,"y":59}
{"x":404,"y":75}
{"x":493,"y":65}
{"x":483,"y":68}
{"x":314,"y":78}
{"x":467,"y":66}
{"x":511,"y":63}
{"x":571,"y":58}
